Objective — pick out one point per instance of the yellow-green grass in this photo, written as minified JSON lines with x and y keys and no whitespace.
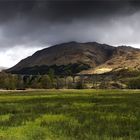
{"x":70,"y":115}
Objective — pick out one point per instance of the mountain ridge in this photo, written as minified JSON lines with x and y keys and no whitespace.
{"x":92,"y":54}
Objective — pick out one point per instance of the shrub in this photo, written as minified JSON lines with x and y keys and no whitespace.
{"x":134,"y":83}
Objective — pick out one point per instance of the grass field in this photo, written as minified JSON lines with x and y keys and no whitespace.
{"x":70,"y":115}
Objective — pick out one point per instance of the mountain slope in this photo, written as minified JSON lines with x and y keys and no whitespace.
{"x":75,"y":57}
{"x":91,"y":54}
{"x":123,"y":58}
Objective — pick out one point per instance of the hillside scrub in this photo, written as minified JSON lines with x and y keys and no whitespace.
{"x":134,"y":83}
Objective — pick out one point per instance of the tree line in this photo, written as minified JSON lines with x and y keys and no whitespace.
{"x":10,"y":81}
{"x":13,"y":81}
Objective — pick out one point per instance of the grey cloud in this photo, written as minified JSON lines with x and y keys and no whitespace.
{"x":40,"y":23}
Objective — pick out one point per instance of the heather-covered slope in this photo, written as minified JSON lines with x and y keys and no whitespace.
{"x":123,"y":58}
{"x":88,"y":58}
{"x":91,"y":54}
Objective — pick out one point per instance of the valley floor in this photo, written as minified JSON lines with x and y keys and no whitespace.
{"x":70,"y":115}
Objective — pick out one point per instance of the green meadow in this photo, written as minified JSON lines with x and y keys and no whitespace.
{"x":70,"y":115}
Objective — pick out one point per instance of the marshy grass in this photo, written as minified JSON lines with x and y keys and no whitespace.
{"x":70,"y":115}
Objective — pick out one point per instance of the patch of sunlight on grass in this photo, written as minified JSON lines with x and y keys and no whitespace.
{"x":83,"y":105}
{"x":4,"y":117}
{"x":50,"y":118}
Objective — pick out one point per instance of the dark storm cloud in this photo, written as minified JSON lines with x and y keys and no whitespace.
{"x":37,"y":23}
{"x":63,"y":9}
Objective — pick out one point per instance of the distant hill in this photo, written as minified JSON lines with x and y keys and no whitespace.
{"x":2,"y":68}
{"x":74,"y":57}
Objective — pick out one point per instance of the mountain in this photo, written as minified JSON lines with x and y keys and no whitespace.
{"x":2,"y":68}
{"x":123,"y":57}
{"x":74,"y":57}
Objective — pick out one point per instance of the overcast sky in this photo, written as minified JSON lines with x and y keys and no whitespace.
{"x":29,"y":25}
